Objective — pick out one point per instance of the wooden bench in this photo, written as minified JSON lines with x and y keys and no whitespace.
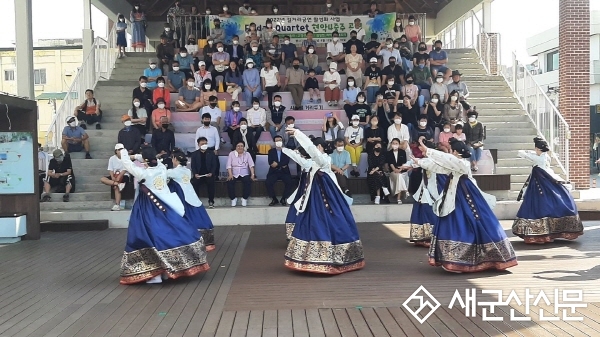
{"x":73,"y":225}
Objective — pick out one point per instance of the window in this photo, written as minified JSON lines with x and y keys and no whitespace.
{"x":39,"y":76}
{"x":552,"y":61}
{"x":9,"y":75}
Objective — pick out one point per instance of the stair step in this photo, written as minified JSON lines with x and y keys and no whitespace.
{"x":514,"y":170}
{"x":83,"y":196}
{"x":499,"y":120}
{"x":104,"y":155}
{"x":75,"y":205}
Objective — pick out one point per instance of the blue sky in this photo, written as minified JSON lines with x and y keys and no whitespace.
{"x":526,"y":18}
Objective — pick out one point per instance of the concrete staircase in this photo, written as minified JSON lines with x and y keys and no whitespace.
{"x":508,"y":130}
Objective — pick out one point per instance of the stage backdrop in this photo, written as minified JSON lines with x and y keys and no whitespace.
{"x":296,"y":26}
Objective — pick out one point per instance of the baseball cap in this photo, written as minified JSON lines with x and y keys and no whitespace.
{"x":201,"y":63}
{"x":333,"y":65}
{"x":329,"y":114}
{"x":119,"y":146}
{"x":373,"y":60}
{"x":355,"y":117}
{"x":57,"y":153}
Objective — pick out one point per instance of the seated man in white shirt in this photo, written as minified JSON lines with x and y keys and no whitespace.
{"x":335,"y":49}
{"x":257,"y":119}
{"x":214,"y":111}
{"x":118,"y":177}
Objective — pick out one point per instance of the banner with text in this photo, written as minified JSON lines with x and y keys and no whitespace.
{"x":296,"y":26}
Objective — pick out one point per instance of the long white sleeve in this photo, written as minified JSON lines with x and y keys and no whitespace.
{"x":447,"y":161}
{"x":321,"y":159}
{"x":137,"y":172}
{"x":296,"y":157}
{"x":533,"y":158}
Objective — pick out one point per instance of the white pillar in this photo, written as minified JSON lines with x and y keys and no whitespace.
{"x":88,"y":41}
{"x":487,"y":15}
{"x":24,"y":48}
{"x":460,"y":34}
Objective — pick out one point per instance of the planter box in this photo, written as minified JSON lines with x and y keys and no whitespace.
{"x":12,"y":227}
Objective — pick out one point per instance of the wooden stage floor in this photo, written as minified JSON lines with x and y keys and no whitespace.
{"x":66,"y":284}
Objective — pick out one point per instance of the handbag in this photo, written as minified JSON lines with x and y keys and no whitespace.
{"x":477,"y":145}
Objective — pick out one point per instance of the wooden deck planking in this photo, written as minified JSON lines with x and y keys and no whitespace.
{"x":240,"y":324}
{"x":330,"y":326}
{"x":315,"y":324}
{"x":373,"y":322}
{"x":389,"y":323}
{"x":358,"y":322}
{"x":299,"y":323}
{"x":255,"y":323}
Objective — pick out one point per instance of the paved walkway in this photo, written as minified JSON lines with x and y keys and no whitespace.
{"x":66,"y":284}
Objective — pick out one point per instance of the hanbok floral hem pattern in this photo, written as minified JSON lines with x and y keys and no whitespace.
{"x":469,"y":257}
{"x":289,"y":228}
{"x":144,"y":264}
{"x":323,"y":256}
{"x":420,"y":234}
{"x":208,"y":236}
{"x":547,"y":229}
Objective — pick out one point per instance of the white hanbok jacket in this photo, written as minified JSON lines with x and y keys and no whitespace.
{"x":305,"y":166}
{"x":542,"y":161}
{"x":445,"y":163}
{"x":155,"y":179}
{"x":183,"y":176}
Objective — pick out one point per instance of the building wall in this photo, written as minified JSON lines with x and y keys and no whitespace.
{"x":61,"y":66}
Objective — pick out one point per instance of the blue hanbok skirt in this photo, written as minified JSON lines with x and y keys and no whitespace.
{"x":422,"y":218}
{"x":470,"y":239}
{"x":325,"y":238}
{"x":197,"y":216}
{"x":159,"y":241}
{"x":290,"y":219}
{"x":548,"y":211}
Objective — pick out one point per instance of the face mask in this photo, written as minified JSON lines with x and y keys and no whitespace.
{"x":211,"y":42}
{"x":161,"y":105}
{"x":397,"y":121}
{"x":136,"y":104}
{"x":277,"y":104}
{"x":213,"y":105}
{"x":398,"y":24}
{"x":434,"y":100}
{"x":310,"y":51}
{"x":336,"y":39}
{"x":161,"y":84}
{"x":453,"y":98}
{"x":377,"y":149}
{"x":421,"y":66}
{"x":422,"y":49}
{"x":220,"y":49}
{"x":328,"y":5}
{"x":59,"y":159}
{"x":361,"y":100}
{"x":225,"y":9}
{"x":409,"y":81}
{"x":122,"y":20}
{"x":392,"y":63}
{"x":137,"y":7}
{"x":207,"y":12}
{"x":411,"y":23}
{"x":350,"y":84}
{"x":354,"y":123}
{"x":340,"y":148}
{"x":183,"y":54}
{"x":395,"y":147}
{"x":235,"y":42}
{"x":373,"y":65}
{"x":206,"y":123}
{"x":236,"y":108}
{"x":446,"y":130}
{"x":243,"y":127}
{"x":438,"y":48}
{"x":390,"y":83}
{"x":275,"y":10}
{"x":191,"y":41}
{"x":472,"y":119}
{"x":291,"y":125}
{"x":396,"y":46}
{"x":269,"y":25}
{"x":389,"y":45}
{"x":439,"y":80}
{"x":286,"y":42}
{"x":143,"y":84}
{"x":278,"y":144}
{"x":207,"y":87}
{"x":73,"y":124}
{"x":127,"y":123}
{"x":255,"y":106}
{"x":353,"y":37}
{"x":190,"y":84}
{"x":153,"y":66}
{"x":203,"y":147}
{"x":423,"y":123}
{"x":167,"y":29}
{"x":296,"y":66}
{"x":254,"y":48}
{"x":175,"y":68}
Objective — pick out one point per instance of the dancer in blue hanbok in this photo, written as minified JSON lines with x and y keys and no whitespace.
{"x":161,"y":243}
{"x":325,"y":238}
{"x":467,"y":237}
{"x":195,"y":212}
{"x":548,"y":210}
{"x":300,"y":157}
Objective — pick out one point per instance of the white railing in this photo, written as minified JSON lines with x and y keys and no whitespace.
{"x":467,"y":32}
{"x":548,"y":121}
{"x":97,"y":65}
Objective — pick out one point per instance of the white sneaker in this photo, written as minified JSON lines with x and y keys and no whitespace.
{"x":234,"y":202}
{"x":155,"y":280}
{"x":386,"y":192}
{"x":116,"y":208}
{"x":377,"y":198}
{"x":244,"y":202}
{"x":121,"y":186}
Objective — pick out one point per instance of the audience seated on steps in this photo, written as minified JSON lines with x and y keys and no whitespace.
{"x":89,"y":111}
{"x":393,"y":71}
{"x":374,"y":134}
{"x":190,"y":97}
{"x":201,"y":75}
{"x":438,"y":60}
{"x":175,"y":78}
{"x":257,"y":120}
{"x":453,"y":110}
{"x":289,"y":51}
{"x":271,"y":82}
{"x":211,"y":133}
{"x":311,"y":85}
{"x":220,"y":61}
{"x":240,"y":167}
{"x":311,"y":60}
{"x":160,"y":114}
{"x":460,"y":87}
{"x":274,"y":51}
{"x":152,"y":73}
{"x":118,"y":178}
{"x":186,"y":62}
{"x":276,"y":117}
{"x":289,"y":141}
{"x":354,"y":137}
{"x":161,"y":92}
{"x":236,"y":51}
{"x":340,"y":163}
{"x":233,"y":117}
{"x":129,"y":136}
{"x":205,"y":169}
{"x":163,"y":139}
{"x":399,"y":167}
{"x":243,"y":135}
{"x":421,"y":75}
{"x":165,"y":52}
{"x":279,"y":169}
{"x":294,"y":83}
{"x":207,"y":91}
{"x":143,"y":94}
{"x":252,"y":82}
{"x":332,"y":81}
{"x":60,"y":176}
{"x":234,"y":82}
{"x":474,"y":138}
{"x":74,"y":138}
